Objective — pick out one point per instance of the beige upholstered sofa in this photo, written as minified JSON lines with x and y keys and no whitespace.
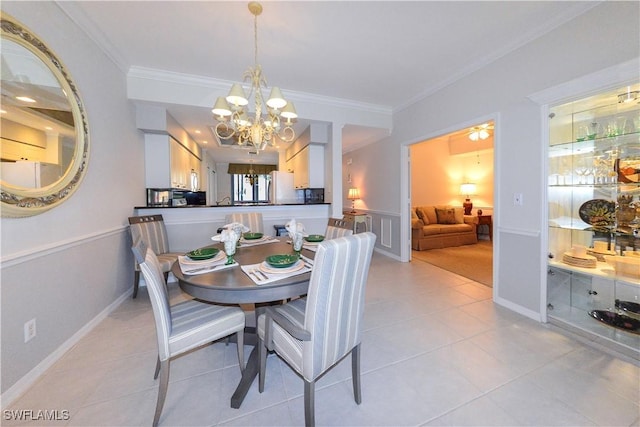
{"x":435,"y":227}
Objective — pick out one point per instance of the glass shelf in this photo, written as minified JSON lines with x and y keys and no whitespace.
{"x":635,"y":186}
{"x":602,"y":270}
{"x":585,"y":144}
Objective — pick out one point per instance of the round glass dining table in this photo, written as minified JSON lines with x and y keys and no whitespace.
{"x":234,"y":286}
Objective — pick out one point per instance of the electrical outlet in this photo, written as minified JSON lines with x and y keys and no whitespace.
{"x":30,"y":330}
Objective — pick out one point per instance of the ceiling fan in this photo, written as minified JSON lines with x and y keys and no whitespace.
{"x":480,"y":132}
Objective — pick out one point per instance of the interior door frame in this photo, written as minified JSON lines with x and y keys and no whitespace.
{"x":405,"y":187}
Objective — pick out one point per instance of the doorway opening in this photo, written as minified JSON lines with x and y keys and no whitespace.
{"x":454,"y":171}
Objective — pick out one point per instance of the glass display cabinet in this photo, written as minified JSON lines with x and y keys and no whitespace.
{"x":593,"y":283}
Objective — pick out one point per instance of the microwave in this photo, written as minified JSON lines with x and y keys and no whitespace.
{"x":310,"y":196}
{"x":166,"y":197}
{"x":159,"y":197}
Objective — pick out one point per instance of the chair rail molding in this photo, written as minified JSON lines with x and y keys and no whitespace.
{"x":520,"y":231}
{"x":62,"y":245}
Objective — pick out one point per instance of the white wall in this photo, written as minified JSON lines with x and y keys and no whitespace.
{"x":436,"y":175}
{"x":604,"y":36}
{"x":66,"y":266}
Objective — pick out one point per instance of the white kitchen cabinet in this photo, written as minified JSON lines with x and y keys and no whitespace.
{"x":168,"y":164}
{"x":307,"y":166}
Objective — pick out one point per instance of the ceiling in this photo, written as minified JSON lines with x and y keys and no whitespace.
{"x":385,"y":53}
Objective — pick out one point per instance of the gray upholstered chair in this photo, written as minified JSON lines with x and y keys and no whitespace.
{"x":313,"y":333}
{"x":186,"y":325}
{"x":253,"y":220}
{"x":151,"y":229}
{"x":338,"y":228}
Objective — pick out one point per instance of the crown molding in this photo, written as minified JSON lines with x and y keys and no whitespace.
{"x":525,"y":38}
{"x":607,"y":78}
{"x":173,"y":77}
{"x":88,"y":26}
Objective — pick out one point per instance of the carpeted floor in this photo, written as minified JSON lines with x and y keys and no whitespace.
{"x":472,"y":261}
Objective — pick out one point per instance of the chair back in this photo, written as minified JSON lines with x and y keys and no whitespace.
{"x":253,"y":220}
{"x":338,"y":228}
{"x":154,"y":278}
{"x":151,"y":229}
{"x":335,"y":301}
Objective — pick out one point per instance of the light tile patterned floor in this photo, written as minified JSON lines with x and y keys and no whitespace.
{"x":436,"y":352}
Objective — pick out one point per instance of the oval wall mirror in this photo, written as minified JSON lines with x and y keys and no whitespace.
{"x":44,"y":140}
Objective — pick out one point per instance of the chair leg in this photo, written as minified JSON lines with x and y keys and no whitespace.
{"x":355,"y":373}
{"x":166,"y":277}
{"x":155,"y":376}
{"x":136,"y":282}
{"x":240,"y":342}
{"x":262,"y":356}
{"x":309,"y":403}
{"x":162,"y":390}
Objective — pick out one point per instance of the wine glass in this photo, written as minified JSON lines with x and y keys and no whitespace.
{"x":582,"y":133}
{"x":297,"y":242}
{"x":230,"y":249}
{"x":595,"y":130}
{"x":581,"y":171}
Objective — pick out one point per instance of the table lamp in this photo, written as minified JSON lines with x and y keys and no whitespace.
{"x":467,"y":189}
{"x":354,"y":194}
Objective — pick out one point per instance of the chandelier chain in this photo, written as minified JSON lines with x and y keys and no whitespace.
{"x":255,"y":39}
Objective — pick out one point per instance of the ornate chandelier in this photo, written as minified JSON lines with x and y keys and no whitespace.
{"x":251,"y":129}
{"x":251,"y":177}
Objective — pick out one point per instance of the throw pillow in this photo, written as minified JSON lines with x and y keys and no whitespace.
{"x":446,"y":216}
{"x":430,"y":212}
{"x":423,"y":216}
{"x":459,"y":211}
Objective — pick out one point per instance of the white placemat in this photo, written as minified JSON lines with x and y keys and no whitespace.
{"x":192,"y":267}
{"x":261,"y":277}
{"x":310,"y":246}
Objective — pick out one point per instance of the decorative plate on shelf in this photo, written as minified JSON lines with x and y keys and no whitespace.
{"x":598,"y":212}
{"x":628,"y":170}
{"x":203,"y":253}
{"x":617,"y":320}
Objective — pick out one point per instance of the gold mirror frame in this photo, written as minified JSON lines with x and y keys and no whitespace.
{"x":16,"y":202}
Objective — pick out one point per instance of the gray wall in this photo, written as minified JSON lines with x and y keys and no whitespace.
{"x":66,"y":266}
{"x":604,"y":36}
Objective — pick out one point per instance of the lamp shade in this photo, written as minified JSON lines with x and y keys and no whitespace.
{"x":468,"y":189}
{"x":237,"y":96}
{"x":221,"y":108}
{"x":289,"y":111}
{"x":276,"y":100}
{"x":354,"y":194}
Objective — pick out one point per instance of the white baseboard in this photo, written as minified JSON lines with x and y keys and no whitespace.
{"x":23,"y":384}
{"x":389,"y":254}
{"x":518,"y":308}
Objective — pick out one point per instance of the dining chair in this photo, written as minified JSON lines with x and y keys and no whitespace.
{"x":183,"y":326}
{"x":337,"y":227}
{"x":253,"y":220}
{"x":151,"y":229}
{"x":315,"y":332}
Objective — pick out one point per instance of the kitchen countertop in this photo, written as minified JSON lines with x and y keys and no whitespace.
{"x":238,"y":205}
